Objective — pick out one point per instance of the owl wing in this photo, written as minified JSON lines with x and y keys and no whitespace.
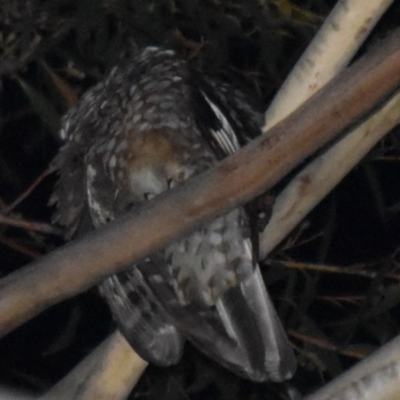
{"x":84,"y":197}
{"x":138,"y":313}
{"x":140,"y":316}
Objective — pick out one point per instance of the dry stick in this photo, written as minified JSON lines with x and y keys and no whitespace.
{"x":323,"y":343}
{"x":27,"y":192}
{"x":332,"y":269}
{"x":232,"y":182}
{"x":29,"y":225}
{"x":19,"y":248}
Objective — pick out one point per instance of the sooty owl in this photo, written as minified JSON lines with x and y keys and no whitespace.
{"x":150,"y":125}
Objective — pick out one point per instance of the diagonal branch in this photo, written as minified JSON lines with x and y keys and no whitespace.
{"x":335,"y":44}
{"x":232,"y":182}
{"x":375,"y":378}
{"x":93,"y":377}
{"x":317,"y":179}
{"x":330,"y":51}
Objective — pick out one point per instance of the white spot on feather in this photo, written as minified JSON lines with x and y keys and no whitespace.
{"x":112,"y":162}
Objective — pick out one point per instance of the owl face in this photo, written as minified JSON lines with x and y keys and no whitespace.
{"x":157,"y":164}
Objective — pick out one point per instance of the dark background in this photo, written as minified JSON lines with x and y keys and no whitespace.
{"x":52,"y":51}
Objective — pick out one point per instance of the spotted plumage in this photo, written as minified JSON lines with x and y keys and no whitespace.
{"x":152,"y":124}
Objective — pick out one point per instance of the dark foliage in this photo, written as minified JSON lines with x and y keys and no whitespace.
{"x":53,"y":50}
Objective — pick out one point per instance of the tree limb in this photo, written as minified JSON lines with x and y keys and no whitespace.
{"x":109,"y":373}
{"x":330,"y":51}
{"x":232,"y":182}
{"x":375,"y":378}
{"x":335,"y":44}
{"x":317,"y":179}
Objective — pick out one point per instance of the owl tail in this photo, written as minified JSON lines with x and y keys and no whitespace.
{"x":249,"y":317}
{"x":242,"y":331}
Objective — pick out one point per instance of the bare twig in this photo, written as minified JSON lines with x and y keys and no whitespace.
{"x":18,"y":247}
{"x":331,"y":269}
{"x":325,"y":344}
{"x":29,"y":225}
{"x":27,"y":192}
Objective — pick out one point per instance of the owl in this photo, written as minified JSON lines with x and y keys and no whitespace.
{"x":153,"y":123}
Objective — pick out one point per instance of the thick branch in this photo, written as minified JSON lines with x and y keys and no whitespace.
{"x":330,"y":51}
{"x":96,"y":378}
{"x":335,"y":44}
{"x":232,"y":182}
{"x":317,"y":179}
{"x":375,"y":378}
